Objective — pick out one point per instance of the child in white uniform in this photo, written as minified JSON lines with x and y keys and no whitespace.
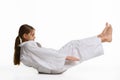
{"x":47,"y":60}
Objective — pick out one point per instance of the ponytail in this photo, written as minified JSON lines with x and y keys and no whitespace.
{"x":17,"y":51}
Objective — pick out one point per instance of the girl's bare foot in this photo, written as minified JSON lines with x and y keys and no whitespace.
{"x":107,"y":25}
{"x":106,"y":35}
{"x":105,"y":29}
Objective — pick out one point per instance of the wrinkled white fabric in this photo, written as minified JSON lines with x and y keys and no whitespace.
{"x":48,"y":60}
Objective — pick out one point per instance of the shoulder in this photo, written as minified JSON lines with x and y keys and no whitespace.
{"x":28,"y":43}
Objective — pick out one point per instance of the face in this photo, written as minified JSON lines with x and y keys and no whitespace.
{"x":29,"y":36}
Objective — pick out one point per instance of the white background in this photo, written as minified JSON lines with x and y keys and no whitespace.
{"x":56,"y":23}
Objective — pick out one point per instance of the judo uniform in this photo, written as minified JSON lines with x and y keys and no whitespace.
{"x":47,"y":60}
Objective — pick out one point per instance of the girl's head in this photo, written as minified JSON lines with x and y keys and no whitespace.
{"x":26,"y":33}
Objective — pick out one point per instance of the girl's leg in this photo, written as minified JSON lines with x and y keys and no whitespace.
{"x":89,"y":47}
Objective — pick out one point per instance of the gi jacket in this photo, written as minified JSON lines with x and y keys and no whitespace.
{"x":45,"y":60}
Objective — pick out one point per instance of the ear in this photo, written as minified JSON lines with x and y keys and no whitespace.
{"x":25,"y":36}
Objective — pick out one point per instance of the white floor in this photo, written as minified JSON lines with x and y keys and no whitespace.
{"x":84,"y":71}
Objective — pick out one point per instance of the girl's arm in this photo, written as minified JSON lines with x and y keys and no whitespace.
{"x":72,"y":58}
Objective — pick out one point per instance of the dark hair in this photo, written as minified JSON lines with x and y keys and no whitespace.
{"x":24,"y":29}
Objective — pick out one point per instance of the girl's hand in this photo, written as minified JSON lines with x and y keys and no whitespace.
{"x":72,"y":58}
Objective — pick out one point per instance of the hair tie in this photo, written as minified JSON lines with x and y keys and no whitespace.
{"x":20,"y":39}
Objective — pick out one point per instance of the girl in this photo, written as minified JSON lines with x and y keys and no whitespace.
{"x":46,"y":60}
